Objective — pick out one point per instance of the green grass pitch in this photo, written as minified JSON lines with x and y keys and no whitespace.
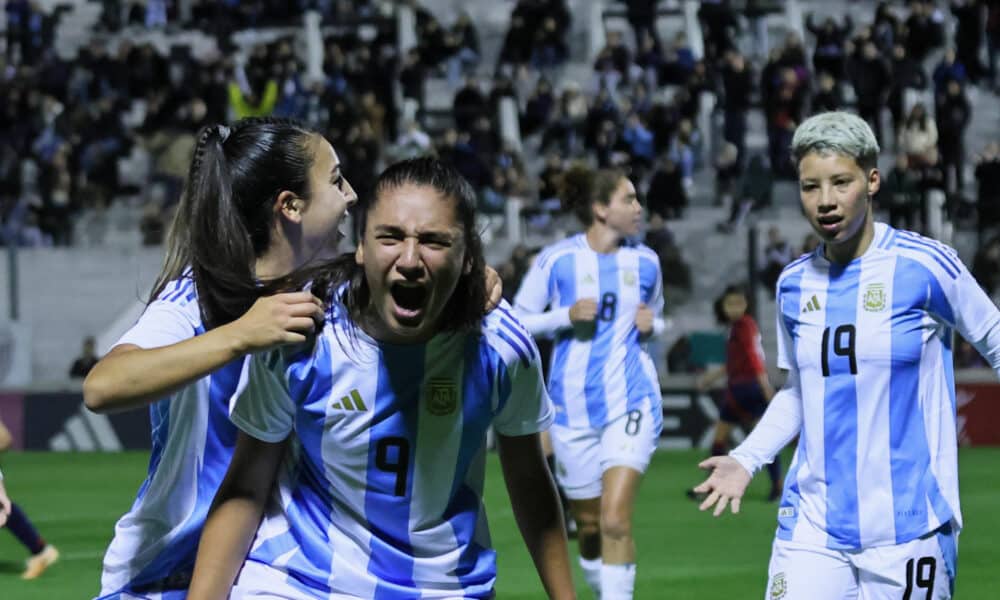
{"x":683,"y":554}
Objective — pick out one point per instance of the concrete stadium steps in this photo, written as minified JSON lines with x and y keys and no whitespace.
{"x":67,"y":294}
{"x":75,"y":28}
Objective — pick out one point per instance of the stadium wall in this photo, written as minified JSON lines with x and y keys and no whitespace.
{"x":57,"y":420}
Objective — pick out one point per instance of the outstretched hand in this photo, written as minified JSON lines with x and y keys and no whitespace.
{"x":727,"y":481}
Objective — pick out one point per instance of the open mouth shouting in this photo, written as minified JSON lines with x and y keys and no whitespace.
{"x":409,"y":302}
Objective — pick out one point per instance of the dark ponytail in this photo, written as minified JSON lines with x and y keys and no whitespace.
{"x":580,"y":187}
{"x":225,"y":217}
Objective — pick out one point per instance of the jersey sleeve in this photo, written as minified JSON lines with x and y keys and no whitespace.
{"x":525,"y":405}
{"x":162,"y":323}
{"x":655,"y":301}
{"x":959,"y":302}
{"x":532,"y":298}
{"x":264,"y":409}
{"x":780,"y":423}
{"x":784,"y":357}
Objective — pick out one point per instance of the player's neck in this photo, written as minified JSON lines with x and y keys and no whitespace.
{"x":602,"y":239}
{"x":853,"y":248}
{"x":276,"y":262}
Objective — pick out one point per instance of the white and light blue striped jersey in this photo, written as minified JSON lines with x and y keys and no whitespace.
{"x":871,"y":342}
{"x":156,"y":541}
{"x":598,"y":371}
{"x":383,"y":496}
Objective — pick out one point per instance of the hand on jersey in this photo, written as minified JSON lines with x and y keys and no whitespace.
{"x":583,"y":311}
{"x":494,"y":289}
{"x":277,"y":320}
{"x":726,"y":483}
{"x":644,"y":320}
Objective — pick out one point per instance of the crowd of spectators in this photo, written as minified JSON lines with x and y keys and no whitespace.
{"x":73,"y":121}
{"x":641,"y":108}
{"x":67,"y":125}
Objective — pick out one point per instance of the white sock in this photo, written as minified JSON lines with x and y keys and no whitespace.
{"x":592,"y":574}
{"x":617,"y":581}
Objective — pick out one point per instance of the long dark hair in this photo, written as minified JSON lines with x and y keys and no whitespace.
{"x":225,"y":217}
{"x":466,"y":307}
{"x":914,"y":119}
{"x":720,"y":314}
{"x":580,"y":187}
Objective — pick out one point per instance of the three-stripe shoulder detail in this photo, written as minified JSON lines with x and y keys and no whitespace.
{"x":796,"y":264}
{"x":505,"y":325}
{"x":548,"y":255}
{"x":179,"y":291}
{"x":921,"y":246}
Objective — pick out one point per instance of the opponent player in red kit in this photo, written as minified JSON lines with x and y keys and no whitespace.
{"x":748,"y":389}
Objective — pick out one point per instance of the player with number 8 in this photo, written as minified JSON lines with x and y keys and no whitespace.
{"x":600,"y":294}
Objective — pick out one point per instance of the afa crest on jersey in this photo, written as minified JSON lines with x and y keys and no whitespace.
{"x":779,"y":587}
{"x":874,"y":298}
{"x":442,"y":396}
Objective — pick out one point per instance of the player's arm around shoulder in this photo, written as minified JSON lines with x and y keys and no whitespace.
{"x":234,"y":516}
{"x":170,"y":355}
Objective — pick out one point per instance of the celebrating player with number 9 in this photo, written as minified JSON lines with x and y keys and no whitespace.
{"x":375,"y":433}
{"x":600,"y":294}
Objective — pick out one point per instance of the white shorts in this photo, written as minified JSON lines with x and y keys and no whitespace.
{"x":583,"y":455}
{"x":919,"y":569}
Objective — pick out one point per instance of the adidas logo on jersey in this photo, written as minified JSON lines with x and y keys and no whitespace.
{"x":812,"y":305}
{"x":351,"y":402}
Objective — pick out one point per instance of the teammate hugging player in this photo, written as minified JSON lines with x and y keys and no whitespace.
{"x":382,"y":424}
{"x":870,"y":506}
{"x":262,"y":198}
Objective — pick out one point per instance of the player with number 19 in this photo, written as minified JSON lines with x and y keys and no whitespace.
{"x":870,"y":507}
{"x":601,"y":295}
{"x":376,"y":432}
